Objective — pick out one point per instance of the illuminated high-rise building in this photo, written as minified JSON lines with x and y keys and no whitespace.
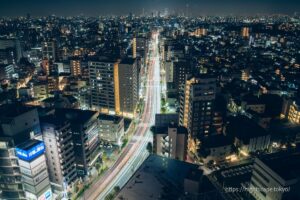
{"x":52,"y":83}
{"x":48,"y":66}
{"x":181,"y":70}
{"x":75,"y":67}
{"x":245,"y":32}
{"x":196,"y":105}
{"x":84,"y":131}
{"x":291,"y":110}
{"x":134,"y":47}
{"x":104,"y":83}
{"x":17,"y":124}
{"x":40,"y":90}
{"x":142,"y":46}
{"x":33,"y":168}
{"x":245,"y":74}
{"x":128,"y":86}
{"x":199,"y":32}
{"x":57,"y":137}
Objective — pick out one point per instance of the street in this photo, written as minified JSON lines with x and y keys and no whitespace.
{"x":135,"y":152}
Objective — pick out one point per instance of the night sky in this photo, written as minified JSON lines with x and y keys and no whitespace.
{"x":100,"y":7}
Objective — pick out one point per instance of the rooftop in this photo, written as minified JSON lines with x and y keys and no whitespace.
{"x":216,"y":141}
{"x":13,"y":110}
{"x":163,"y":178}
{"x":251,"y":99}
{"x":61,"y":115}
{"x":286,"y":165}
{"x":164,"y":129}
{"x":128,"y":61}
{"x":29,"y":144}
{"x":109,"y":117}
{"x":60,"y":98}
{"x":244,"y":128}
{"x":75,"y":115}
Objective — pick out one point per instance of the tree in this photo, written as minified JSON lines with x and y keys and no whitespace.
{"x":97,"y":166}
{"x":117,"y":189}
{"x":104,"y":157}
{"x":149,"y":147}
{"x":110,"y":196}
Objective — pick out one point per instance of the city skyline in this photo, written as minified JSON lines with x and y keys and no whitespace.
{"x":121,"y":7}
{"x":153,"y":99}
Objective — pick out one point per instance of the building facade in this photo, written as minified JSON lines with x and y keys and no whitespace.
{"x":128,"y":87}
{"x":49,"y":50}
{"x":33,"y":167}
{"x":59,"y":152}
{"x":111,"y":128}
{"x":104,"y":86}
{"x":75,"y":67}
{"x":170,"y":141}
{"x":277,"y":173}
{"x":196,"y":105}
{"x":11,"y":185}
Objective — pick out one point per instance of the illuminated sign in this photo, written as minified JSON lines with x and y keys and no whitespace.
{"x":46,"y":196}
{"x":31,"y":153}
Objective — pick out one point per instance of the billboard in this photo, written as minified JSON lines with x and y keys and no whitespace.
{"x":31,"y":153}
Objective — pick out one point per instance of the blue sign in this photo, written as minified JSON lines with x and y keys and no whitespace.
{"x":32,"y":153}
{"x":46,"y":196}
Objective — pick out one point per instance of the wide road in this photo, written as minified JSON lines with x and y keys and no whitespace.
{"x":135,"y":152}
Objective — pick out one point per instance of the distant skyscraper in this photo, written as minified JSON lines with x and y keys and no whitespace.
{"x":142,"y":48}
{"x":100,"y":27}
{"x":199,"y":32}
{"x":196,"y":105}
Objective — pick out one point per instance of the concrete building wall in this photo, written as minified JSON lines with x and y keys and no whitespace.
{"x":25,"y":122}
{"x":101,"y":75}
{"x":111,"y":131}
{"x":60,"y":154}
{"x":128,"y":88}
